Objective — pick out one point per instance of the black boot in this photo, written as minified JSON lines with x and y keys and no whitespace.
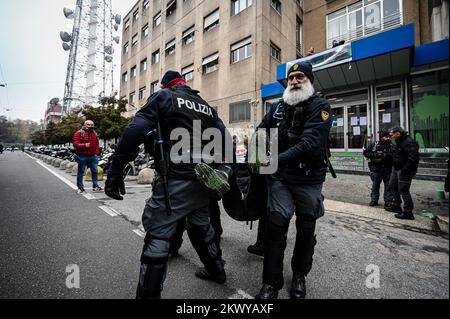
{"x":298,"y":286}
{"x":394,"y":208}
{"x":256,"y":249}
{"x":267,"y":292}
{"x":204,"y":274}
{"x":405,"y":215}
{"x":151,"y":278}
{"x":373,"y":203}
{"x":275,"y":244}
{"x":209,"y":252}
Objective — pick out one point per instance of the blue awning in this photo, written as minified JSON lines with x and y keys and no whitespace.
{"x":431,"y":53}
{"x":272,"y":89}
{"x":386,"y":55}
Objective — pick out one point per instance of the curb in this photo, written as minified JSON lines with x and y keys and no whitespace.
{"x":379,"y":215}
{"x":442,"y":223}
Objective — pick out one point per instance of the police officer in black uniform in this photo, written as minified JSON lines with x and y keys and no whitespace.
{"x":304,"y":121}
{"x":379,"y":154}
{"x":175,"y":106}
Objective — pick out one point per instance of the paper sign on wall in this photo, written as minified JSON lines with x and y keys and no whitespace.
{"x":354,"y":121}
{"x":357,"y":131}
{"x":363,"y":121}
{"x":340,"y":122}
{"x":387,"y":118}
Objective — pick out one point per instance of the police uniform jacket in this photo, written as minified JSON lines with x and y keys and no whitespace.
{"x":174,"y":108}
{"x":305,"y":160}
{"x":380,"y":156}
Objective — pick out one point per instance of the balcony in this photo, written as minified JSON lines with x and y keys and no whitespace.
{"x":363,"y":31}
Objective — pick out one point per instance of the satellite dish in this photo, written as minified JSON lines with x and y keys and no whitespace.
{"x":116,"y":39}
{"x":118,"y":19}
{"x":108,"y":58}
{"x":66,"y":37}
{"x":68,"y":13}
{"x":109,"y":49}
{"x":66,"y":46}
{"x":116,"y":27}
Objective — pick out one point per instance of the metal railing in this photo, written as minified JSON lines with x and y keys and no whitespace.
{"x":389,"y":22}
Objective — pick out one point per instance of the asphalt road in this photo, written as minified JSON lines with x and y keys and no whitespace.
{"x":45,"y":226}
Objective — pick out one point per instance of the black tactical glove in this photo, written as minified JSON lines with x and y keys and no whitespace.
{"x":114,"y":187}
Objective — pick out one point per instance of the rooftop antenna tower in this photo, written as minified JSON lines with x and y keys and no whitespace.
{"x":91,"y":45}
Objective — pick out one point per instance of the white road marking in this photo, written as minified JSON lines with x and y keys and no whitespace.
{"x":139,"y":233}
{"x":111,"y":212}
{"x":89,"y":197}
{"x":138,"y":186}
{"x":241,"y":294}
{"x":70,"y":184}
{"x":30,"y":157}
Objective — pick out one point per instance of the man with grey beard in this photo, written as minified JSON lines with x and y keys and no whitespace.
{"x":304,"y":120}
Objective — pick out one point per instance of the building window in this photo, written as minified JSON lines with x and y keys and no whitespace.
{"x":188,"y":73}
{"x":170,"y":47}
{"x":134,"y":40}
{"x":145,"y":5}
{"x":155,"y":57}
{"x":239,"y":5}
{"x":126,"y":48}
{"x":362,"y":19}
{"x":429,"y":113}
{"x":240,"y":112}
{"x":142,"y":93}
{"x":133,"y":72}
{"x":145,"y":31}
{"x":189,"y":35}
{"x":154,"y":87}
{"x":125,"y":77}
{"x":275,"y":52}
{"x":276,"y":4}
{"x":136,"y":15}
{"x":299,"y":3}
{"x":132,"y":99}
{"x":210,"y":63}
{"x":143,"y":65}
{"x":171,"y":6}
{"x":127,"y":25}
{"x":157,"y":20}
{"x":211,"y":21}
{"x":241,"y":50}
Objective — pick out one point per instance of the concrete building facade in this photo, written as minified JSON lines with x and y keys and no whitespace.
{"x":225,"y":49}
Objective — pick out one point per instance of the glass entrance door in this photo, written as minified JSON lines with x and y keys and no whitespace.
{"x":388,"y":115}
{"x":337,"y":133}
{"x":349,"y":130}
{"x":357,"y":126}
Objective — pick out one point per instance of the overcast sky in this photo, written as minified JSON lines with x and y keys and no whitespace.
{"x":31,"y":57}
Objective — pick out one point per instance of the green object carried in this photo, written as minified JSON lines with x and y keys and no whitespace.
{"x":440,"y":195}
{"x":426,"y":214}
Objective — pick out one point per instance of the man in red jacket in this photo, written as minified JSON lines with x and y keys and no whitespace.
{"x":87,"y":148}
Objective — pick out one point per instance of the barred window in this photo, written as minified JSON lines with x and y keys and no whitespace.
{"x":240,"y":112}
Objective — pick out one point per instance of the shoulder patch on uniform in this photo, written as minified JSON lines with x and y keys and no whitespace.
{"x":325,"y":115}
